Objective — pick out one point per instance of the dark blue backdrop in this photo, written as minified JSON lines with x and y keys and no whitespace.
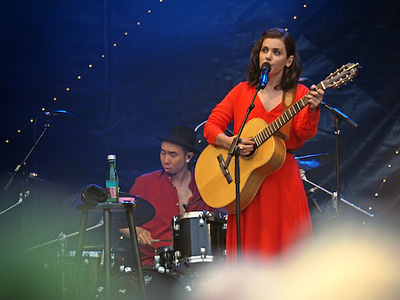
{"x":129,"y":70}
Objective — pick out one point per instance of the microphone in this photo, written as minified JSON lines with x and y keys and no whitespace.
{"x":59,"y":114}
{"x":265,"y":69}
{"x":302,"y":79}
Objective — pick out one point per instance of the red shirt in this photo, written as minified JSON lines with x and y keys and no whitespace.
{"x":158,"y":189}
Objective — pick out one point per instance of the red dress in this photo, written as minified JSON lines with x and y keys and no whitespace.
{"x":278,"y":216}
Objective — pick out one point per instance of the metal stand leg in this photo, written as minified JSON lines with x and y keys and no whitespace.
{"x":136,"y":255}
{"x":79,"y":251}
{"x":107,"y":254}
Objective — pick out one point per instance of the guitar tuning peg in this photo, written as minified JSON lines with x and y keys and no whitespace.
{"x":339,"y":87}
{"x":351,"y":81}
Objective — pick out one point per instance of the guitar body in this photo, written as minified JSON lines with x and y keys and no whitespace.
{"x":212,"y":184}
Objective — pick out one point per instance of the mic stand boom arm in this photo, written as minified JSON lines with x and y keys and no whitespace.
{"x":23,"y":163}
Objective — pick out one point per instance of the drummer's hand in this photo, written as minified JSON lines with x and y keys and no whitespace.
{"x":246,"y":146}
{"x":143,"y":236}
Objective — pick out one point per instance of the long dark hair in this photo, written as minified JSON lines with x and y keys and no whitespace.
{"x":290,"y":75}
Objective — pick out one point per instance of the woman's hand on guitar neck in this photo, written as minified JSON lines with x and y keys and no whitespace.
{"x":315,"y":97}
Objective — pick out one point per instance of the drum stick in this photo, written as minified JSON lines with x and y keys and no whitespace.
{"x":158,"y":240}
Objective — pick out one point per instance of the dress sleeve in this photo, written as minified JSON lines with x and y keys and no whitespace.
{"x":306,"y":122}
{"x":220,"y":116}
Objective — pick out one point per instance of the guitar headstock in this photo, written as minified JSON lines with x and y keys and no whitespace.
{"x":346,"y":73}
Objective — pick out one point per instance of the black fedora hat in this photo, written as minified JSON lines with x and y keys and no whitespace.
{"x":181,"y":135}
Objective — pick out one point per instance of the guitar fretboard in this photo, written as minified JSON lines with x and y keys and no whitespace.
{"x":272,"y":128}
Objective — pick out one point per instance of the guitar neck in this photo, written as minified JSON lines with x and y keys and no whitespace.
{"x":285,"y":117}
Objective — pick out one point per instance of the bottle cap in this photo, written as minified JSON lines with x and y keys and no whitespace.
{"x":111,"y":156}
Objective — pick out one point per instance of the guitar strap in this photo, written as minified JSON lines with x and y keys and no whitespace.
{"x":288,"y":99}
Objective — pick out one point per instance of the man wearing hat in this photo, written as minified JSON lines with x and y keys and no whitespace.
{"x":172,"y":191}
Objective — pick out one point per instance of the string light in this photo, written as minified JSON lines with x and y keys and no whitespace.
{"x":90,"y":66}
{"x":384,"y":180}
{"x":295,"y":17}
{"x":389,"y":166}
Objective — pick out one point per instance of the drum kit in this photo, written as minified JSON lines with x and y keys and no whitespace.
{"x":198,"y":242}
{"x":181,"y":269}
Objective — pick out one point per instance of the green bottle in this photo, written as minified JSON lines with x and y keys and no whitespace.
{"x":112,"y":179}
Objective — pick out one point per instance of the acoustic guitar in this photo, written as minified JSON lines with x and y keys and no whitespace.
{"x":214,"y":181}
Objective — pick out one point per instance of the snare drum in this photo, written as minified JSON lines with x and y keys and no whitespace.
{"x":199,"y":236}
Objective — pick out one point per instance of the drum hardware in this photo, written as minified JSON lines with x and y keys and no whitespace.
{"x":157,"y":285}
{"x":203,"y":253}
{"x":164,"y":259}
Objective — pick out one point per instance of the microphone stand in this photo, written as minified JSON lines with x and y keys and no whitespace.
{"x":304,"y":178}
{"x":23,"y":163}
{"x":338,"y":116}
{"x":233,"y":151}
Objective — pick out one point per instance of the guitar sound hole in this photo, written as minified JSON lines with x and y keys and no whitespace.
{"x":251,"y":154}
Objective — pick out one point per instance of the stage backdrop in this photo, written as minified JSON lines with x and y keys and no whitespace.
{"x":129,"y":70}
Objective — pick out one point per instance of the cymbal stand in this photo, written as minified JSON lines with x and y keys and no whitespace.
{"x":21,"y":198}
{"x":62,"y":238}
{"x":304,"y":178}
{"x":101,"y":223}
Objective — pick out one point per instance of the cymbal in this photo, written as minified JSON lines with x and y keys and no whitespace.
{"x":69,"y":208}
{"x":143,"y":213}
{"x":312,"y":161}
